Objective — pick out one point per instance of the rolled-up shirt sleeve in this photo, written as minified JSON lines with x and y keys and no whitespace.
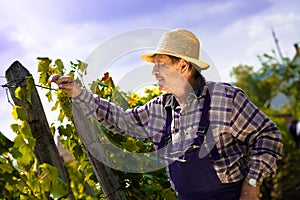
{"x":261,"y":135}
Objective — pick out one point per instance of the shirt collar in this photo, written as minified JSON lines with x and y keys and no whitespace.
{"x":198,"y":92}
{"x":171,"y":102}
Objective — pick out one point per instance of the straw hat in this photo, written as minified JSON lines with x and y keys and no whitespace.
{"x":180,"y":43}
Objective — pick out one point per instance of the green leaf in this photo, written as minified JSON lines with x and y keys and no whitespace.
{"x":61,"y":117}
{"x":63,"y":132}
{"x":18,"y":141}
{"x":119,"y":100}
{"x":16,"y":153}
{"x":25,"y":129}
{"x":65,"y":104}
{"x":5,"y":144}
{"x":82,"y":67}
{"x":9,"y":187}
{"x":149,"y":176}
{"x":94,"y":86}
{"x":27,"y":155}
{"x":6,"y":168}
{"x":46,"y":177}
{"x":88,"y":172}
{"x":50,"y":181}
{"x":18,"y":113}
{"x":43,"y":78}
{"x":15,"y":128}
{"x":102,"y":84}
{"x":58,"y":188}
{"x":32,"y":182}
{"x":60,"y":66}
{"x":79,"y":82}
{"x":43,"y":64}
{"x":169,"y":194}
{"x":130,"y":145}
{"x":49,"y":96}
{"x":19,"y":93}
{"x":29,"y":88}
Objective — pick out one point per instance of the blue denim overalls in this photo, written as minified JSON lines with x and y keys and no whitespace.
{"x":196,"y":179}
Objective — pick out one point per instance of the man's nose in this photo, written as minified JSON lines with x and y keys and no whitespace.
{"x":155,"y":69}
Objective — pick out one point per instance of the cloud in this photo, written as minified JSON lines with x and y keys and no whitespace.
{"x":6,"y":42}
{"x":5,"y":115}
{"x":245,"y":38}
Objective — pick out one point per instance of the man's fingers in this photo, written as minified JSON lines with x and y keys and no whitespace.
{"x":66,"y":85}
{"x":65,"y":80}
{"x":54,"y":78}
{"x":58,"y":79}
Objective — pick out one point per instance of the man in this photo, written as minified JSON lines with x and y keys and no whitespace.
{"x":221,"y":144}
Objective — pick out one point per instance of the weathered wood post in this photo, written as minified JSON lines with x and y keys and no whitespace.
{"x":86,"y":131}
{"x":45,"y":150}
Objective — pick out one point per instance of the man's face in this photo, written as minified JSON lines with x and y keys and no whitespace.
{"x":168,"y":74}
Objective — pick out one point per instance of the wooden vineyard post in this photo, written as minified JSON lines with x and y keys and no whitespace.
{"x":45,"y":150}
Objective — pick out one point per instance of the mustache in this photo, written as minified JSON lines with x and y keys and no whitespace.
{"x":158,"y":77}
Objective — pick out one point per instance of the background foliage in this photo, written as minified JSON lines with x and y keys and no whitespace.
{"x":276,"y":77}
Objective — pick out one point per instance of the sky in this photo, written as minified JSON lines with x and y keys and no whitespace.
{"x":231,"y":32}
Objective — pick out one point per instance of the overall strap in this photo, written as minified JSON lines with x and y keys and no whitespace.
{"x":167,"y":134}
{"x":204,"y":127}
{"x":204,"y":124}
{"x":204,"y":120}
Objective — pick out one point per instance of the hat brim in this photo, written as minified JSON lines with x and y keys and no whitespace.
{"x":198,"y":63}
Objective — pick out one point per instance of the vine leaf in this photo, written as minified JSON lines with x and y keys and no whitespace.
{"x":50,"y":181}
{"x":60,"y":66}
{"x":27,"y":155}
{"x":18,"y":113}
{"x":19,"y":93}
{"x":5,"y":144}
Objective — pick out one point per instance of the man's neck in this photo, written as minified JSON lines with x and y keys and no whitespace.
{"x":195,"y":86}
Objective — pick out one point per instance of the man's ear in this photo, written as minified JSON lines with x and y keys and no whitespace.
{"x":184,"y":65}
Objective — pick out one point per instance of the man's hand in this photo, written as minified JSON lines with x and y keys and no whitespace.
{"x":66,"y":83}
{"x":249,"y":192}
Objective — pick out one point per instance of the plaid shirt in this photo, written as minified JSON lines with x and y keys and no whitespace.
{"x":237,"y":127}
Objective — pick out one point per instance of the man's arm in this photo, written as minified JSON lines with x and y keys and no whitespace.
{"x":263,"y":138}
{"x":132,"y":122}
